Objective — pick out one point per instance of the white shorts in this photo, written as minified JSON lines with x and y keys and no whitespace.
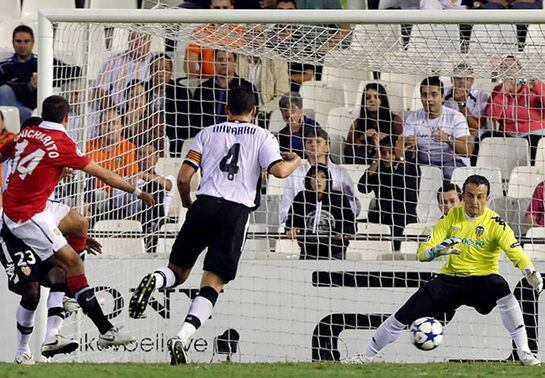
{"x":41,"y":232}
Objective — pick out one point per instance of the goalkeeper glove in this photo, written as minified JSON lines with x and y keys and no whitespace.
{"x":534,"y":278}
{"x":445,"y":248}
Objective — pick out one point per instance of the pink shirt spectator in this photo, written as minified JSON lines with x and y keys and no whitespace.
{"x":521,"y":114}
{"x":536,"y":208}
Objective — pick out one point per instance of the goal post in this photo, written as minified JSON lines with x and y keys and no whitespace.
{"x":283,"y":308}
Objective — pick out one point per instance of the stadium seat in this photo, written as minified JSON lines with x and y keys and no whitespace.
{"x":493,"y":174}
{"x":348,"y":79}
{"x":540,"y":156}
{"x":336,"y":148}
{"x":275,"y":186}
{"x":30,"y":8}
{"x":109,"y":4}
{"x":10,"y":9}
{"x":431,"y":179}
{"x":513,"y":211}
{"x":339,"y":120}
{"x":11,"y":118}
{"x":322,"y":97}
{"x":253,"y":246}
{"x":367,"y":249}
{"x":535,"y":252}
{"x":504,"y":153}
{"x":400,"y":89}
{"x":171,"y":166}
{"x":276,"y":122}
{"x":494,"y":40}
{"x":427,"y":39}
{"x":119,"y":245}
{"x":523,"y":181}
{"x":356,"y":171}
{"x":164,"y":244}
{"x":287,"y":249}
{"x":410,"y":248}
{"x":373,"y":228}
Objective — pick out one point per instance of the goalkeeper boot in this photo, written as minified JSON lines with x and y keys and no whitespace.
{"x":115,"y":338}
{"x":358,"y":359}
{"x":61,"y":345}
{"x":140,"y":297}
{"x":24,"y":358}
{"x":527,"y":358}
{"x":178,"y":354}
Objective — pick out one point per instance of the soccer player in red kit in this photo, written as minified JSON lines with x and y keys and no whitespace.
{"x":40,"y":154}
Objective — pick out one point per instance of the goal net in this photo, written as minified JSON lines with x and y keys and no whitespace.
{"x":146,"y":88}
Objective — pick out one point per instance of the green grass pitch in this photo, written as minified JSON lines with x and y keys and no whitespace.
{"x":224,"y":370}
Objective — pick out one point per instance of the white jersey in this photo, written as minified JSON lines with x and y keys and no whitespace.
{"x":231,"y":156}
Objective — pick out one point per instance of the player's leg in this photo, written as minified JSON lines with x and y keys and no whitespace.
{"x":190,"y":242}
{"x":25,"y":315}
{"x":54,"y":342}
{"x":220,"y":266}
{"x":489,"y":291}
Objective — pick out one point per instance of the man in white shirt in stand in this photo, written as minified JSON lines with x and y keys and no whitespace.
{"x":439,"y":135}
{"x":317,"y":152}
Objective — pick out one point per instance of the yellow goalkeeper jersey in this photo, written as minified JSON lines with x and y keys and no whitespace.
{"x":482,"y":240}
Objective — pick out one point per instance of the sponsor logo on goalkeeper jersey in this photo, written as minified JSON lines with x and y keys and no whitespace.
{"x":473,"y":243}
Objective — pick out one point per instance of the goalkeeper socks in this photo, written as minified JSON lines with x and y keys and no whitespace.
{"x":25,"y":326}
{"x":199,"y":311}
{"x":511,"y":316}
{"x":387,"y":333}
{"x":86,"y":298}
{"x":164,"y":277}
{"x":55,"y":312}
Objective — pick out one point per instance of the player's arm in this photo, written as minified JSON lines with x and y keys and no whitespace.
{"x":116,"y":181}
{"x":439,"y":242}
{"x":184,"y":182}
{"x":512,"y":248}
{"x":285,"y":167}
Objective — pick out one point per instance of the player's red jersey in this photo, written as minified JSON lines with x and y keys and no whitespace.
{"x":39,"y":155}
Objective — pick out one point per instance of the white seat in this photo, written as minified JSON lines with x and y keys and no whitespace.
{"x":431,"y":179}
{"x":336,"y":148}
{"x":493,"y":174}
{"x":253,"y":246}
{"x":109,"y":4}
{"x":523,"y":182}
{"x":400,"y":89}
{"x":429,"y":40}
{"x":347,"y":79}
{"x":120,"y":245}
{"x":276,"y":122}
{"x":513,"y":211}
{"x":339,"y":120}
{"x":164,"y":244}
{"x":356,"y":171}
{"x":11,"y":118}
{"x":287,"y":249}
{"x":540,"y":156}
{"x":535,"y":252}
{"x":490,"y":39}
{"x":322,"y":97}
{"x":10,"y":9}
{"x":171,"y":166}
{"x":373,"y":228}
{"x":367,"y":250}
{"x":504,"y":153}
{"x":29,"y":11}
{"x":275,"y":186}
{"x":410,"y":248}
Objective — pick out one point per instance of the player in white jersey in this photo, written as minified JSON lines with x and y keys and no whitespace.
{"x":231,"y":156}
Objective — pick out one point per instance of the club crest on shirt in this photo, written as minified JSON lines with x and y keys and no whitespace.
{"x":26,"y":270}
{"x":479,"y":231}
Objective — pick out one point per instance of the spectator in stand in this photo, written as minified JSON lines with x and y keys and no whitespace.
{"x":162,"y":188}
{"x":74,"y":93}
{"x":210,"y":99}
{"x":517,"y":105}
{"x":122,"y":68}
{"x":439,"y":135}
{"x":267,"y":4}
{"x":269,"y":77}
{"x":317,"y":152}
{"x":141,"y":125}
{"x":171,"y":97}
{"x":199,"y":62}
{"x":375,"y":118}
{"x":290,"y":137}
{"x":321,"y":218}
{"x":535,"y":215}
{"x":112,"y":152}
{"x":18,"y":74}
{"x":471,"y":102}
{"x":449,"y":195}
{"x":5,"y":136}
{"x":395,"y":184}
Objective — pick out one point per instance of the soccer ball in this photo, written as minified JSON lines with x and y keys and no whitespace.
{"x":426,"y":333}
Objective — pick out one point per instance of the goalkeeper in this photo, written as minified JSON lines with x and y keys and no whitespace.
{"x":472,"y":236}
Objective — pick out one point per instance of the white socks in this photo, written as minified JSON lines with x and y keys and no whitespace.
{"x":511,"y":316}
{"x":25,"y":326}
{"x":199,"y":311}
{"x":387,"y":333}
{"x":55,"y":315}
{"x":164,"y":277}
